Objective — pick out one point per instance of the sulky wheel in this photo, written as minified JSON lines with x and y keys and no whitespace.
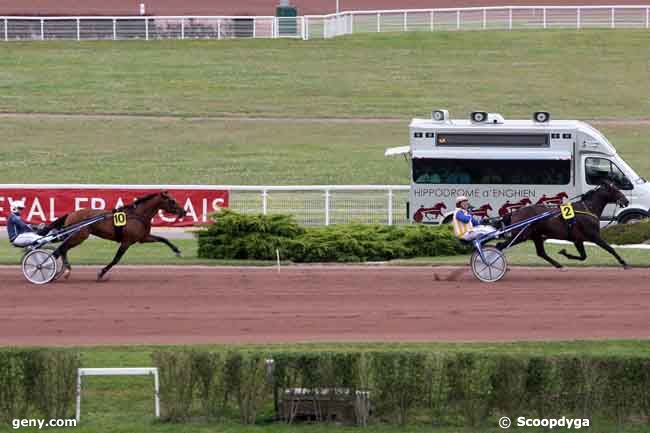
{"x":60,"y":268}
{"x":39,"y":266}
{"x":494,"y":267}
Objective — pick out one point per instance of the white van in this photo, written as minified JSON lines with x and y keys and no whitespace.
{"x":502,"y":165}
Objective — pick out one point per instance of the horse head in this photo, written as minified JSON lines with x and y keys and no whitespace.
{"x":613,"y":194}
{"x":168,"y":204}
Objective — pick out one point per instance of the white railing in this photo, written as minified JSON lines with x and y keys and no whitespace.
{"x":479,"y":18}
{"x":148,"y":28}
{"x":323,"y":26}
{"x":325,"y":204}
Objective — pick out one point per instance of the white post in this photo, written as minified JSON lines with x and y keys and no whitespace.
{"x":254,"y":26}
{"x":182,"y":28}
{"x":324,"y":28}
{"x":146,"y":29}
{"x":390,"y":206}
{"x":578,"y":18}
{"x":78,"y":411}
{"x":6,"y":30}
{"x":327,"y":207}
{"x":156,"y":385}
{"x":378,"y":22}
{"x":405,"y":18}
{"x":114,"y":29}
{"x":265,"y":197}
{"x":544,"y":16}
{"x":307,"y":29}
{"x":484,"y":19}
{"x":431,"y":18}
{"x":219,"y":28}
{"x":613,"y":18}
{"x":510,"y":19}
{"x":302,"y":28}
{"x":458,"y":19}
{"x":351,"y":24}
{"x":42,"y":29}
{"x":647,"y":19}
{"x":78,"y":30}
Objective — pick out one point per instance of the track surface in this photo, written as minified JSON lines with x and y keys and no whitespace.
{"x":322,"y":303}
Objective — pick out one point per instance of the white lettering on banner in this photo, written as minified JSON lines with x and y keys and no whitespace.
{"x":52,"y":212}
{"x":189,"y":209}
{"x":78,"y":201}
{"x":36,"y":210}
{"x":97,"y":203}
{"x":2,"y":210}
{"x":119,"y":203}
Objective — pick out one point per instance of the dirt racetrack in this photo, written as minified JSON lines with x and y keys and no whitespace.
{"x":322,"y":303}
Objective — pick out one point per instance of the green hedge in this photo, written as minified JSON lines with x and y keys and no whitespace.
{"x":459,"y":389}
{"x":237,"y":236}
{"x":621,"y":234}
{"x":37,"y":383}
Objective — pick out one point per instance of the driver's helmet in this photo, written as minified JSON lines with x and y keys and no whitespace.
{"x":460,"y":199}
{"x":17,"y":205}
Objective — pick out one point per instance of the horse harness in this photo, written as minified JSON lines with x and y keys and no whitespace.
{"x":121,"y":218}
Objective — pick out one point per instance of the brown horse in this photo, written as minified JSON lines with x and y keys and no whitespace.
{"x":137,"y":228}
{"x":586,"y":227}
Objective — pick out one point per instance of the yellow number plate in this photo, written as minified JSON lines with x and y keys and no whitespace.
{"x":567,"y":211}
{"x":119,"y":219}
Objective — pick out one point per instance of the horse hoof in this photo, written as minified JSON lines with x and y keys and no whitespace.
{"x":66,"y":274}
{"x":563,"y":269}
{"x":178,"y":254}
{"x":626,"y":267}
{"x":100,"y":276}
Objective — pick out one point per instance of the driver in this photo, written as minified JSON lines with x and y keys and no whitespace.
{"x":20,"y":233}
{"x":466,"y":226}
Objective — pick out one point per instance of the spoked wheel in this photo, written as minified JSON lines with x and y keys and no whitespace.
{"x":39,"y":266}
{"x":60,"y":268}
{"x":494,"y":267}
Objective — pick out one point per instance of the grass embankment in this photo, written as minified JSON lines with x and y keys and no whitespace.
{"x":583,"y":74}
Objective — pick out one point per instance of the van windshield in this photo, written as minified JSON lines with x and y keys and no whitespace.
{"x":491,"y":171}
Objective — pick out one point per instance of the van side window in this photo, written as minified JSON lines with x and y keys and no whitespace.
{"x":491,"y":171}
{"x":599,"y":169}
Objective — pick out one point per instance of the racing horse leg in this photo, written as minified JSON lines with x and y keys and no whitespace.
{"x":604,"y":245}
{"x":580,"y":246}
{"x":120,"y":252}
{"x":541,"y":252}
{"x":152,"y":238}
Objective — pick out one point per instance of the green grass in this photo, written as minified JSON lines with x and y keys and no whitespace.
{"x":100,"y":252}
{"x":586,"y":74}
{"x":220,"y":152}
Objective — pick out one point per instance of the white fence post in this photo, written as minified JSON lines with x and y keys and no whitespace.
{"x":156,"y":393}
{"x":544,"y":16}
{"x":327,"y":207}
{"x":78,"y":410}
{"x":578,"y":18}
{"x":458,"y":20}
{"x":613,"y":14}
{"x":78,"y":30}
{"x":484,"y":18}
{"x":6,"y":30}
{"x":378,"y":22}
{"x":42,"y":29}
{"x":390,"y":206}
{"x":510,"y":19}
{"x":351,"y":23}
{"x":405,"y":22}
{"x":182,"y":28}
{"x":254,"y":27}
{"x":146,"y":29}
{"x":647,"y":18}
{"x":265,"y":198}
{"x":432,"y":20}
{"x":114,"y":29}
{"x":219,"y":29}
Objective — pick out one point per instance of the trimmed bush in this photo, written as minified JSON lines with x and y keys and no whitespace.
{"x":37,"y":383}
{"x":621,"y":234}
{"x":236,"y":236}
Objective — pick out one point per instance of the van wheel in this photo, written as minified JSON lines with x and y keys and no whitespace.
{"x":633,"y":217}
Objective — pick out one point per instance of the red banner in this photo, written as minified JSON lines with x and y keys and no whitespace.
{"x":46,"y":204}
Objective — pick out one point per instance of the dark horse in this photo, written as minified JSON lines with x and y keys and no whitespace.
{"x":137,"y":228}
{"x":585,"y":229}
